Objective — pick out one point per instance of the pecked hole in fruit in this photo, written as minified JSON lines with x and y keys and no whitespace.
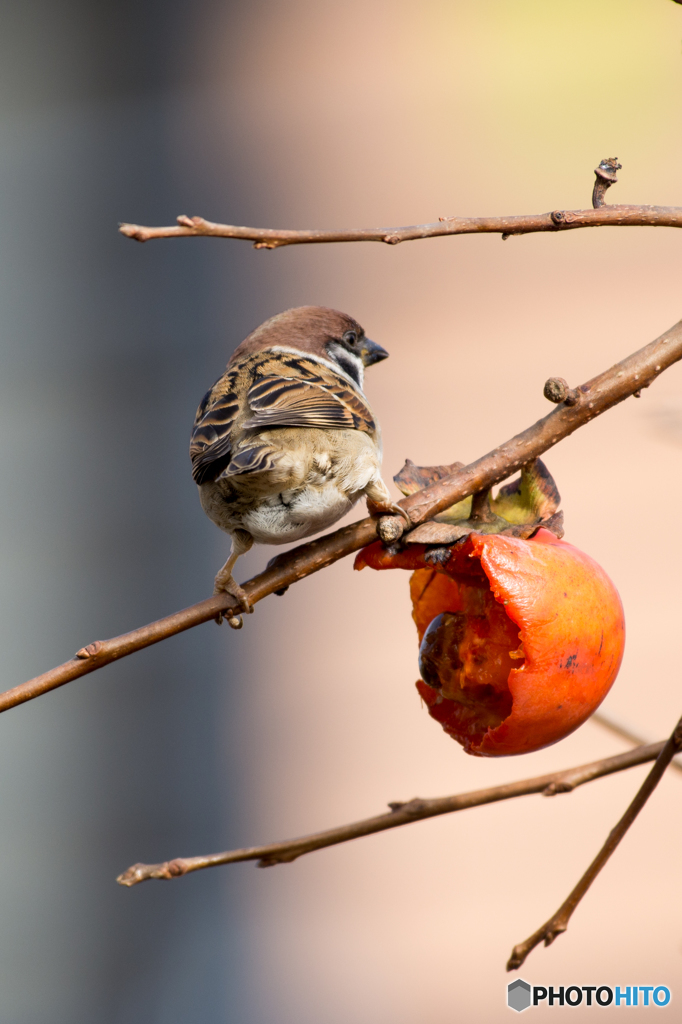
{"x":467,"y":656}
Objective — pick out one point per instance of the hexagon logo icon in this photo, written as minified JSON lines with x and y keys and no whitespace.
{"x":518,"y":995}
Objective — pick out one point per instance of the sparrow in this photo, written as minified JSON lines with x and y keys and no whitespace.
{"x":285,"y":442}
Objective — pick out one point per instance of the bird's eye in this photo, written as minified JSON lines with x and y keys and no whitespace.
{"x":350,"y":337}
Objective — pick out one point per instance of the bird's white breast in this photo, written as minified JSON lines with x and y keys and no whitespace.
{"x":293,"y":516}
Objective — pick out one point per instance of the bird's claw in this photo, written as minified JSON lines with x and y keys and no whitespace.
{"x":395,"y":509}
{"x":388,"y":508}
{"x":398,"y":510}
{"x":232,"y":588}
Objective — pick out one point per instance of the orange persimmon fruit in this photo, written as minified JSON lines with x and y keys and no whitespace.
{"x":521,"y":640}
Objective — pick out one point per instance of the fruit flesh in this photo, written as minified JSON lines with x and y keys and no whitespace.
{"x":466,"y":656}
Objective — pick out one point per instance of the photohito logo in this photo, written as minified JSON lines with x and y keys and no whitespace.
{"x":521,"y":995}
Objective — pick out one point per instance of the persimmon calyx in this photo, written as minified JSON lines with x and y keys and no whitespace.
{"x":519,"y":509}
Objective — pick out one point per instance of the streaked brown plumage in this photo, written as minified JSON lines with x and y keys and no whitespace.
{"x":285,"y":443}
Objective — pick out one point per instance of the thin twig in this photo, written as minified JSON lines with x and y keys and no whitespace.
{"x":558,"y":923}
{"x":589,"y":400}
{"x":401,"y":814}
{"x":557,"y":220}
{"x":601,"y":718}
{"x":619,"y":730}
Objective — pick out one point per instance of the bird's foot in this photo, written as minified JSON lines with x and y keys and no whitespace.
{"x":228,"y":585}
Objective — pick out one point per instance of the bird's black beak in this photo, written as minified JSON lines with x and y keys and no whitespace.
{"x":371,"y":353}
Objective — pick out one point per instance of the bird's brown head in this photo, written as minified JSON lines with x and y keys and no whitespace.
{"x":319,"y":331}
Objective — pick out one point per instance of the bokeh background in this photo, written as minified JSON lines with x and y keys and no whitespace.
{"x":310,"y":113}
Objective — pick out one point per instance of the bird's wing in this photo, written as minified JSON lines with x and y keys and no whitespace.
{"x":210,"y":445}
{"x":258,"y":459}
{"x":326,"y":402}
{"x":288,"y":391}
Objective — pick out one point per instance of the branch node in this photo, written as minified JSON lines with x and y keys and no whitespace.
{"x":414,"y":806}
{"x":141,"y":872}
{"x":391,"y":528}
{"x":556,"y":390}
{"x":278,"y":858}
{"x":391,"y":239}
{"x":561,"y":786}
{"x":91,"y":650}
{"x":547,"y":934}
{"x":133,"y":231}
{"x":606,"y":176}
{"x":176,"y":867}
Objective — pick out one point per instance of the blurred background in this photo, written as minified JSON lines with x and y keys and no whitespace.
{"x":314,"y":114}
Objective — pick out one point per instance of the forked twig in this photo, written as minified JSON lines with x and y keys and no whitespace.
{"x":558,"y":923}
{"x":401,"y":814}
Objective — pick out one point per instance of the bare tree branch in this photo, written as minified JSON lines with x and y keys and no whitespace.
{"x":401,"y":814}
{"x":557,"y":220}
{"x":581,"y":405}
{"x":558,"y":923}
